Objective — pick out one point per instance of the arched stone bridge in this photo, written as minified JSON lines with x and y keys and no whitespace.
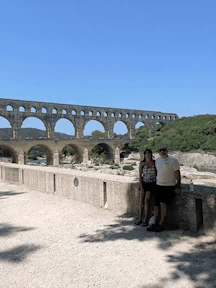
{"x":16,"y":111}
{"x":81,"y":148}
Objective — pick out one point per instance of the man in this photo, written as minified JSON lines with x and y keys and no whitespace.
{"x":168,"y":183}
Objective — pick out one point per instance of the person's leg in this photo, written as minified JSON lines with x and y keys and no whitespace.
{"x":163,"y":207}
{"x":156,"y":213}
{"x":166,"y":198}
{"x":141,"y":206}
{"x":147,"y":199}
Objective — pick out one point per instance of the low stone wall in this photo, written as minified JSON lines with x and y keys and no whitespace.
{"x":116,"y":193}
{"x":189,"y":211}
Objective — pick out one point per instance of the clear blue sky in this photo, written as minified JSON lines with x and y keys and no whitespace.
{"x":140,"y":54}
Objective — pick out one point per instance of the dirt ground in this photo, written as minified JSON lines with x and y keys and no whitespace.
{"x":47,"y":241}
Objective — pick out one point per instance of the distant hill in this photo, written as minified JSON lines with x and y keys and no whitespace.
{"x":197,"y":133}
{"x":31,"y":133}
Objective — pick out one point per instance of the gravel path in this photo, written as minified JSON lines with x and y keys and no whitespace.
{"x":48,"y":241}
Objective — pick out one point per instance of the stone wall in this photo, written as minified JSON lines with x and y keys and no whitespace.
{"x":190,"y":211}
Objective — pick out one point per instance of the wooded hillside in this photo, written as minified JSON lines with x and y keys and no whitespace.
{"x":197,"y":133}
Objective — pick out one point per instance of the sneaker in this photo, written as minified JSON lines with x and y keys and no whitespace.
{"x":159,"y":228}
{"x":138,"y":222}
{"x":152,"y":228}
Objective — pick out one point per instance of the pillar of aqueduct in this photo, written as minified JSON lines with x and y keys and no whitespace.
{"x":16,"y":111}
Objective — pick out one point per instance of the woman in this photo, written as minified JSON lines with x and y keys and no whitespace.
{"x":147,"y":177}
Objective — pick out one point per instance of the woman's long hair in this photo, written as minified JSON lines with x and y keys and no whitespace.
{"x":147,"y":151}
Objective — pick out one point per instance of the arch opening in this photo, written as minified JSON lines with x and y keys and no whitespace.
{"x":39,"y":155}
{"x":8,"y":154}
{"x":94,"y":130}
{"x":22,"y":109}
{"x":6,"y":129}
{"x":70,"y":155}
{"x":156,"y":129}
{"x":102,"y":153}
{"x":33,"y":128}
{"x":120,"y":130}
{"x":64,"y":129}
{"x":9,"y":108}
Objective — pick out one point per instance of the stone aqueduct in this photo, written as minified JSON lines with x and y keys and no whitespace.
{"x":16,"y":111}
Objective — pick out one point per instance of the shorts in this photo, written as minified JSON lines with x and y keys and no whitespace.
{"x":149,"y":186}
{"x":164,"y":194}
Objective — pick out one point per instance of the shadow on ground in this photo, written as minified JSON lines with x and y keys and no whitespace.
{"x":9,"y":193}
{"x":8,"y":230}
{"x":18,"y":253}
{"x":199,"y":265}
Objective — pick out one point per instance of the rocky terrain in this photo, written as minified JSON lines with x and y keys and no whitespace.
{"x":195,"y":166}
{"x":201,"y":168}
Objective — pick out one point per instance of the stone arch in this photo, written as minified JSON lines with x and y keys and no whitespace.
{"x":48,"y":152}
{"x":118,"y":127}
{"x":22,"y":109}
{"x":77,"y":152}
{"x":140,"y":125}
{"x":41,"y":127}
{"x":157,"y":127}
{"x":33,"y":109}
{"x":66,"y":121}
{"x":9,"y":108}
{"x":104,"y":148}
{"x":43,"y":110}
{"x":13,"y":153}
{"x":74,"y":112}
{"x":54,"y":111}
{"x":95,"y":125}
{"x":7,"y":126}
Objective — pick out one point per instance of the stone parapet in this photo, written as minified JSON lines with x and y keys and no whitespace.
{"x":190,"y":211}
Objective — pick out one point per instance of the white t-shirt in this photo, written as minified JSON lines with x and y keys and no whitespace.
{"x":165,"y":170}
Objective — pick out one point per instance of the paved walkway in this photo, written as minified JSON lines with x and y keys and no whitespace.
{"x":53,"y":242}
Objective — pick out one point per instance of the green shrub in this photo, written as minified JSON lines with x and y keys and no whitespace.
{"x":113,"y":167}
{"x":128,"y":167}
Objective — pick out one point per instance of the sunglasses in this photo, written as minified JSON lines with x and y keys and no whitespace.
{"x":162,"y":150}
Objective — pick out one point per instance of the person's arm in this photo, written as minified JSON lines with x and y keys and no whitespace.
{"x":140,"y":176}
{"x":178,"y":179}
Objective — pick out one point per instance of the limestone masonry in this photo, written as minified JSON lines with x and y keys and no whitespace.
{"x":16,"y":111}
